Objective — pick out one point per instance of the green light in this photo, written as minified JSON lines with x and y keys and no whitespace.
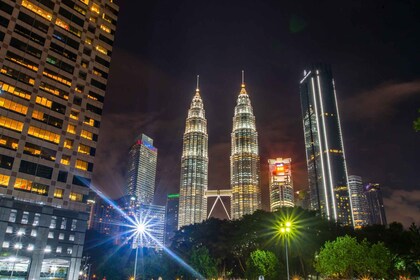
{"x":173,"y":195}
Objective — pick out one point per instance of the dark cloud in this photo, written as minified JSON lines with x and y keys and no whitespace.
{"x":403,"y":206}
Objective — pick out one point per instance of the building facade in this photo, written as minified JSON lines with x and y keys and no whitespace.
{"x":327,"y":170}
{"x":194,"y":166}
{"x":375,"y":201}
{"x":244,"y":159}
{"x":359,"y":202}
{"x":153,"y":217}
{"x":54,"y":66}
{"x":141,"y":173}
{"x":280,"y":183}
{"x":171,"y":218}
{"x":103,"y":217}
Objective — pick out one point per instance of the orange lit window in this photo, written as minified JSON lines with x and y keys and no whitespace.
{"x":74,"y":115}
{"x":58,"y":193}
{"x":86,"y":2}
{"x":83,"y":149}
{"x":81,"y":164}
{"x":23,"y":184}
{"x":88,"y":41}
{"x":11,"y":123}
{"x":62,"y":24}
{"x":89,"y":121}
{"x":15,"y":91}
{"x":43,"y":101}
{"x":95,"y":8}
{"x":71,"y":129}
{"x":86,"y":134}
{"x":68,"y":144}
{"x":57,"y":78}
{"x":34,"y":8}
{"x":4,"y":180}
{"x":65,"y":160}
{"x":105,"y":28}
{"x":13,"y":106}
{"x":101,"y":49}
{"x":44,"y":134}
{"x":38,"y":115}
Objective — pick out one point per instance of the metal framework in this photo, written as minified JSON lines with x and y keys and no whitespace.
{"x":218,"y":194}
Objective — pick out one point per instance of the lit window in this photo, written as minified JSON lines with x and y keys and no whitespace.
{"x":53,"y":223}
{"x":34,"y":8}
{"x":73,"y":224}
{"x":69,"y":251}
{"x":4,"y":180}
{"x":12,"y":216}
{"x":9,"y":229}
{"x":74,"y":115}
{"x":88,"y":41}
{"x":101,"y":49}
{"x":36,"y":219}
{"x":59,"y":249}
{"x":33,"y":233}
{"x":13,"y":106}
{"x":63,"y":223}
{"x":51,"y":235}
{"x":47,"y":249}
{"x":58,"y":193}
{"x":5,"y":244}
{"x":25,"y":218}
{"x":86,"y":134}
{"x":61,"y":236}
{"x":89,"y":121}
{"x":31,"y":247}
{"x":11,"y":123}
{"x":71,"y":129}
{"x":95,"y":8}
{"x":15,"y":91}
{"x":65,"y":160}
{"x":83,"y":149}
{"x":43,"y":134}
{"x":76,"y":196}
{"x":105,"y":28}
{"x":38,"y":115}
{"x":81,"y":164}
{"x":68,"y":144}
{"x":86,"y":2}
{"x":71,"y":237}
{"x":43,"y":101}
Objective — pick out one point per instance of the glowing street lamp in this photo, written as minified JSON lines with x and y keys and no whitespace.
{"x":285,"y":229}
{"x":140,"y":231}
{"x":17,"y":246}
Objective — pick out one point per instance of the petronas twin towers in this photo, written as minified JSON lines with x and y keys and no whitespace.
{"x":244,"y":162}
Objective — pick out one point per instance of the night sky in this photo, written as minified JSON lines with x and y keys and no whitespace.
{"x":160,"y":47}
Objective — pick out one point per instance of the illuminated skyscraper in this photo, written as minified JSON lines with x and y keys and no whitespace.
{"x":280,"y":183}
{"x":358,"y":201}
{"x":141,"y":173}
{"x":171,"y":217}
{"x":376,"y":205}
{"x":244,"y":159}
{"x":194,"y":165}
{"x":327,"y":171}
{"x":54,"y":66}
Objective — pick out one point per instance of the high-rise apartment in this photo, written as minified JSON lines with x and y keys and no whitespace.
{"x":194,"y":165}
{"x":55,"y":59}
{"x":376,"y":204}
{"x":244,"y":159}
{"x":280,"y":183}
{"x":358,"y":201}
{"x":141,"y":173}
{"x":171,"y":218}
{"x":327,"y":171}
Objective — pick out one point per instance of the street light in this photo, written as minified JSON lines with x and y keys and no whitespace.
{"x":140,"y":230}
{"x":285,"y":228}
{"x":17,"y":246}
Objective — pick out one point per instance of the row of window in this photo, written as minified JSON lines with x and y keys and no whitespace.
{"x":31,"y":247}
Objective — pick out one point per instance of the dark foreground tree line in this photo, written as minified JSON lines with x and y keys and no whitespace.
{"x":252,"y":246}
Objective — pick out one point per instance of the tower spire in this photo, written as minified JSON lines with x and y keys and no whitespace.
{"x":243,"y":79}
{"x":197,"y":90}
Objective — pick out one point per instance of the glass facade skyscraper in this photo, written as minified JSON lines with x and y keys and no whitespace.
{"x":359,"y":202}
{"x":194,"y":166}
{"x":55,"y":59}
{"x":280,"y":183}
{"x":244,"y":159}
{"x":376,"y":204}
{"x":327,"y":171}
{"x":141,"y":173}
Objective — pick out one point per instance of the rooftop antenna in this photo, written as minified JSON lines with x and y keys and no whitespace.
{"x":198,"y":84}
{"x":243,"y":78}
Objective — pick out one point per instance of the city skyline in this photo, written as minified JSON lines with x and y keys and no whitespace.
{"x":376,"y":96}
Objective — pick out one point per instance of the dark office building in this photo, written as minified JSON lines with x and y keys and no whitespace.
{"x":327,"y":171}
{"x":171,"y":222}
{"x":376,"y":205}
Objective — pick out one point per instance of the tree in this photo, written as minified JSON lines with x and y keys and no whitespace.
{"x":346,"y":257}
{"x":262,"y":262}
{"x":416,"y":124}
{"x":202,"y":262}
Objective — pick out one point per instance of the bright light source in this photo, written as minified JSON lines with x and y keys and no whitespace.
{"x":20,"y":233}
{"x":141,"y":228}
{"x":288,"y":229}
{"x":288,"y":224}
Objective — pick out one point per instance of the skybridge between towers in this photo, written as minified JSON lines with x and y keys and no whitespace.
{"x":218,"y":194}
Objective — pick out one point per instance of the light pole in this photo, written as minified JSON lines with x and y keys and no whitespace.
{"x":285,"y":229}
{"x":141,"y":228}
{"x":17,"y":247}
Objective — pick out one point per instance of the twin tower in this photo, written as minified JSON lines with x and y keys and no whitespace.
{"x":244,"y":162}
